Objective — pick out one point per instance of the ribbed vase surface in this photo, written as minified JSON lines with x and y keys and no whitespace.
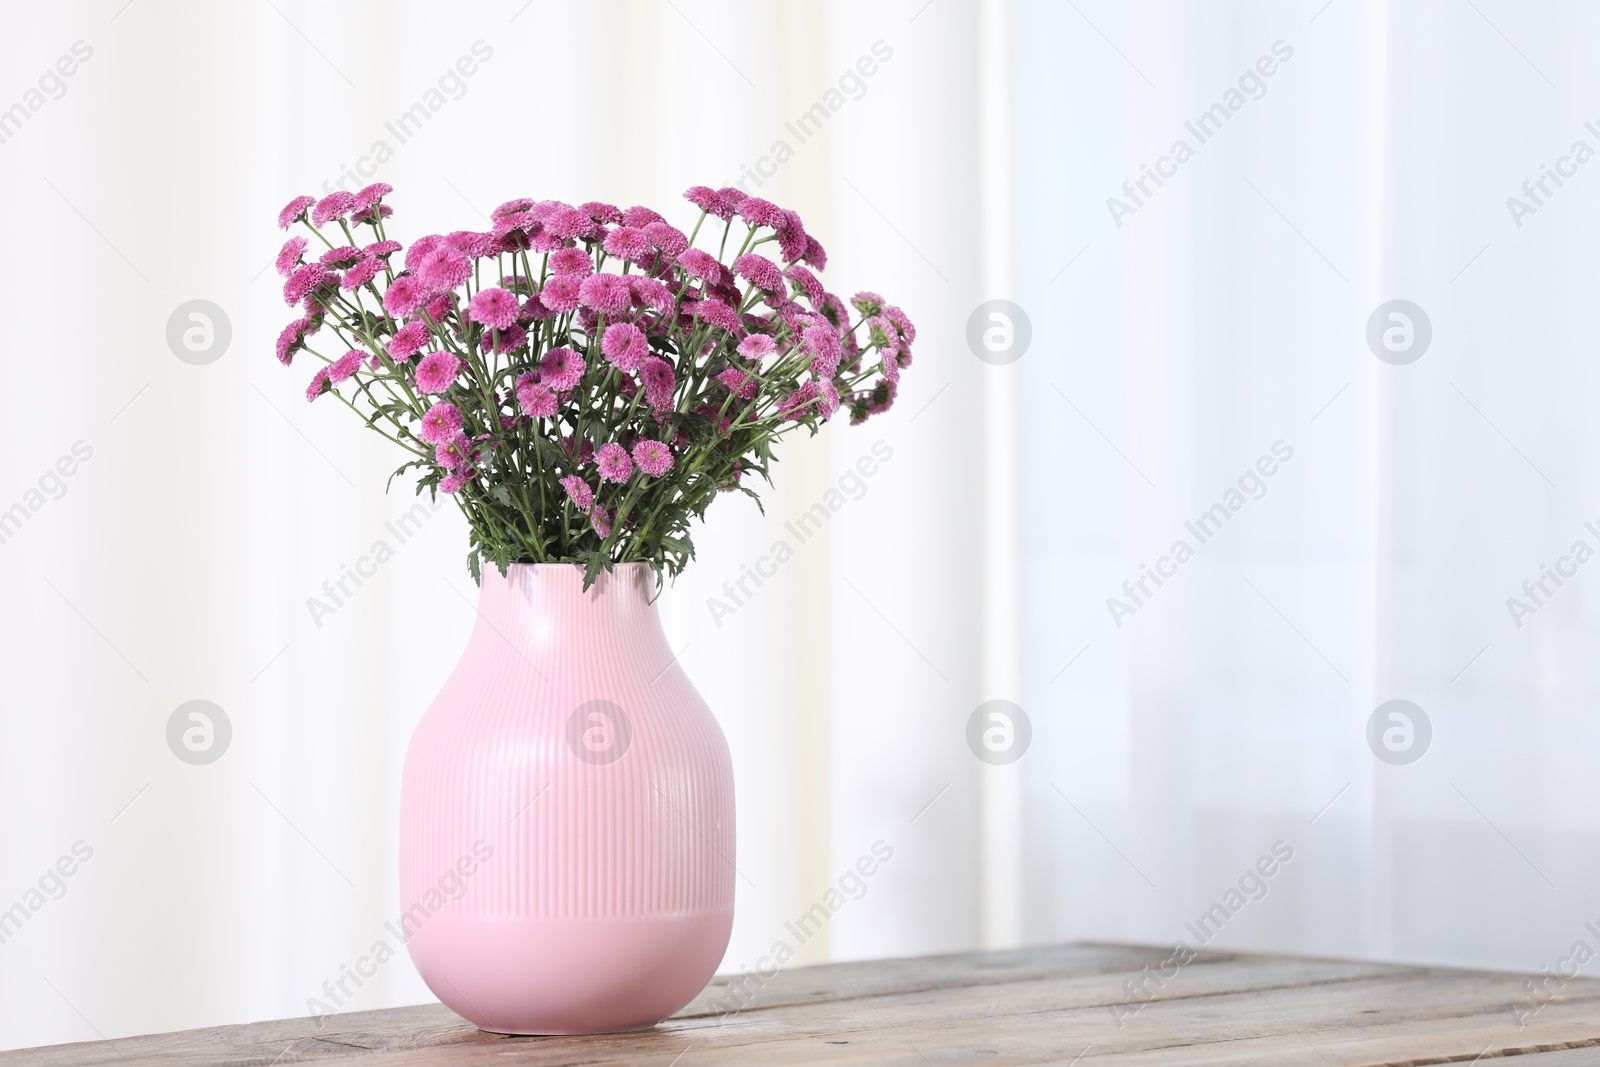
{"x":566,"y":814}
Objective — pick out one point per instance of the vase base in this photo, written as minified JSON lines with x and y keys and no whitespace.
{"x":547,"y":977}
{"x":567,"y":1033}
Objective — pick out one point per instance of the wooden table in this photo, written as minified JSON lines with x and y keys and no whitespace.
{"x":1064,"y":1004}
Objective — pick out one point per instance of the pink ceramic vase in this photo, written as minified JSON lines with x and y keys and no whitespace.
{"x":566,"y":814}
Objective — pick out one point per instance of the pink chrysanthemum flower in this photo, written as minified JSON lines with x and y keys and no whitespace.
{"x":344,"y":368}
{"x":536,"y":399}
{"x":420,"y":248}
{"x":799,"y":403}
{"x":733,"y":195}
{"x":651,"y":293}
{"x":561,"y":369}
{"x":336,"y":205}
{"x":495,"y":308}
{"x":718,"y":314}
{"x":759,"y":212}
{"x":759,"y":270}
{"x":868,"y":303}
{"x":797,"y":318}
{"x":571,"y":261}
{"x":807,"y":283}
{"x":404,"y":295}
{"x":437,"y":372}
{"x":382,"y":248}
{"x":836,"y":311}
{"x":578,"y":492}
{"x":371,"y":195}
{"x":624,"y":344}
{"x":652,"y":457}
{"x":600,"y":211}
{"x":517,"y":225}
{"x":436,"y":309}
{"x":890,"y":366}
{"x":408,"y":340}
{"x":640,"y":216}
{"x":655,"y":374}
{"x":292,"y":340}
{"x":881,"y":398}
{"x":701,"y":264}
{"x":444,"y":268}
{"x":568,"y":222}
{"x":534,"y":309}
{"x":560,"y":293}
{"x":828,"y":400}
{"x":454,"y":453}
{"x":881,"y":332}
{"x":613,"y":461}
{"x":908,"y":332}
{"x":545,"y":241}
{"x":340,"y":257}
{"x":601,"y":520}
{"x":319,"y":384}
{"x":791,"y":237}
{"x":510,"y":206}
{"x":757,"y":346}
{"x":472,"y":244}
{"x":709,"y":201}
{"x":289,"y":255}
{"x":823,"y":344}
{"x":606,"y":293}
{"x":320,"y":296}
{"x":304,"y":279}
{"x":668,"y":239}
{"x":507,"y":340}
{"x":738,"y":382}
{"x":815,"y":254}
{"x":441,"y":423}
{"x":294,"y":211}
{"x":627,"y":242}
{"x":372,"y":214}
{"x":361,"y":273}
{"x":455,"y":482}
{"x":585,"y":453}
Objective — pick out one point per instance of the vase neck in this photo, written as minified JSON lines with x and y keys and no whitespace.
{"x":543,"y":608}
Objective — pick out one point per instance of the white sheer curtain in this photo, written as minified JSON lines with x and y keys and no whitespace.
{"x":1227,"y":709}
{"x":1005,"y":503}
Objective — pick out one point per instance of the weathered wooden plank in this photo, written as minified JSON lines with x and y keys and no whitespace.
{"x":1028,"y":1006}
{"x":832,"y":981}
{"x":1228,"y":1013}
{"x":434,"y":1026}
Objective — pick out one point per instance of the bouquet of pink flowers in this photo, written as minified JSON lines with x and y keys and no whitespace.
{"x":584,"y":379}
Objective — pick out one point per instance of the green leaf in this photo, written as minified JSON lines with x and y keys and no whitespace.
{"x":591,"y":571}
